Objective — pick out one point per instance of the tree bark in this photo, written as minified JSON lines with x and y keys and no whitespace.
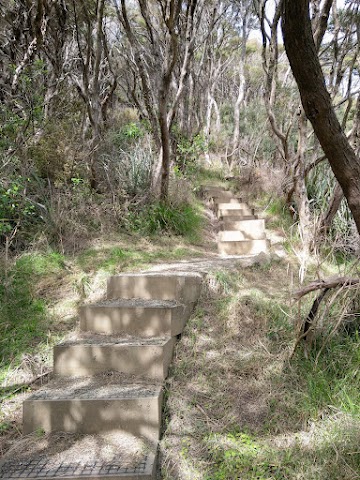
{"x":329,"y":215}
{"x":301,"y":51}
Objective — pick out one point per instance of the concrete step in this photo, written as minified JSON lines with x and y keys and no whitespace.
{"x":249,"y":226}
{"x":143,"y":318}
{"x":244,"y":247}
{"x":211,"y":190}
{"x":234,"y":210}
{"x":226,"y":197}
{"x":232,"y":204}
{"x":236,"y":218}
{"x":92,"y":354}
{"x":95,"y":405}
{"x":182,"y":286}
{"x":65,"y":456}
{"x":238,"y":236}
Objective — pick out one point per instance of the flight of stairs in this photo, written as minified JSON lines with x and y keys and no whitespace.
{"x":242,"y":232}
{"x":104,"y":404}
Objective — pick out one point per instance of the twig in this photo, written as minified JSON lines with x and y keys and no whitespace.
{"x":24,"y":385}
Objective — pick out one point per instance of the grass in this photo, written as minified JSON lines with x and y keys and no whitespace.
{"x":181,"y":219}
{"x":24,"y":316}
{"x":240,"y":406}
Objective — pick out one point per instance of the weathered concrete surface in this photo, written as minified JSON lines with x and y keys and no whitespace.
{"x":68,"y":456}
{"x":183,"y":287}
{"x":238,"y":236}
{"x":212,"y":190}
{"x":244,"y":247}
{"x":235,"y":210}
{"x":236,"y":218}
{"x":86,"y":358}
{"x":252,"y":227}
{"x":232,"y":205}
{"x":226,"y":198}
{"x":95,"y":408}
{"x":144,"y":318}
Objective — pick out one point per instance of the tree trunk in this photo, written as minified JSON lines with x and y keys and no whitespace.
{"x":328,"y":216}
{"x":305,"y":65}
{"x":165,"y":146}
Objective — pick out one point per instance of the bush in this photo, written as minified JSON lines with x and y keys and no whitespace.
{"x":182,"y":219}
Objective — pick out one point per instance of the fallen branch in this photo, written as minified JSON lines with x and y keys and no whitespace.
{"x":24,"y":386}
{"x":331,"y":282}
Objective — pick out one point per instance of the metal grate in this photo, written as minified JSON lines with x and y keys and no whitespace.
{"x":39,"y":468}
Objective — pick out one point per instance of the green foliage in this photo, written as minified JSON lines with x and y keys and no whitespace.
{"x":120,"y":259}
{"x":23,"y":316}
{"x":278,"y":212}
{"x":128,"y":135}
{"x":14,"y":121}
{"x":188,"y":151}
{"x":334,"y":380}
{"x":182,"y":219}
{"x":130,"y":170}
{"x":238,"y":455}
{"x":15,"y":208}
{"x":132,"y":131}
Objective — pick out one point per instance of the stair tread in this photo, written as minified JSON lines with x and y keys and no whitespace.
{"x":97,"y":339}
{"x":161,"y":274}
{"x":246,"y":240}
{"x":99,"y":387}
{"x":136,"y":303}
{"x":66,"y":455}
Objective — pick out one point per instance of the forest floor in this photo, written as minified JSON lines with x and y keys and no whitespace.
{"x":240,"y":403}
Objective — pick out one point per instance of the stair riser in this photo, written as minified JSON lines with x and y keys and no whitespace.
{"x":182,"y":289}
{"x":244,"y":225}
{"x":226,"y":199}
{"x":245,"y":230}
{"x":140,"y":417}
{"x":239,"y":212}
{"x":238,"y":236}
{"x":86,"y":360}
{"x":246,"y":247}
{"x":237,"y":218}
{"x":232,"y":205}
{"x":144,"y":322}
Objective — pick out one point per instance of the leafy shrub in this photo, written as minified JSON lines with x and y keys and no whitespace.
{"x":188,"y":152}
{"x":15,"y":208}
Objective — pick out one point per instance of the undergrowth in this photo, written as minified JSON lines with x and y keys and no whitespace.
{"x":182,"y":219}
{"x":241,"y":406}
{"x":24,"y":317}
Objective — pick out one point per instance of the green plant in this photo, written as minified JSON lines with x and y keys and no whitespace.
{"x":181,"y":219}
{"x":188,"y":151}
{"x":238,"y":455}
{"x":15,"y":208}
{"x":334,"y":380}
{"x":24,"y":317}
{"x":130,"y":171}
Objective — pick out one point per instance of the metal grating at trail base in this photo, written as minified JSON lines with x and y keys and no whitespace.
{"x":40,"y":468}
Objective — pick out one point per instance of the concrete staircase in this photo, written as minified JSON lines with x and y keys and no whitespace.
{"x":108,"y":387}
{"x":242,"y":232}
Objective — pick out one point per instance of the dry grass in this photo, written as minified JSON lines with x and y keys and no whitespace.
{"x":234,"y":398}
